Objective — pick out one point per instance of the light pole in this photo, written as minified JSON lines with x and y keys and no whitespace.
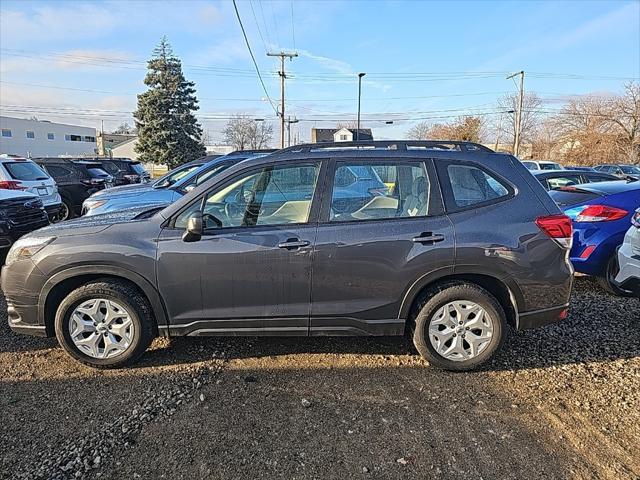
{"x":360,"y":75}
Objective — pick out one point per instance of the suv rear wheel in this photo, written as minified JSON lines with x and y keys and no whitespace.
{"x":459,"y":326}
{"x":105,"y":324}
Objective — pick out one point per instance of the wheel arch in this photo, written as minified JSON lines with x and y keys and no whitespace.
{"x":62,"y":283}
{"x":506,"y":292}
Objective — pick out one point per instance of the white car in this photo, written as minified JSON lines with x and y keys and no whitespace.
{"x":629,"y":258}
{"x":17,"y":173}
{"x":542,"y":165}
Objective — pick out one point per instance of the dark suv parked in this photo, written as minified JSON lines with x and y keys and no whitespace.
{"x":462,"y":243}
{"x":20,"y":213}
{"x":124,"y":170}
{"x":76,"y":180}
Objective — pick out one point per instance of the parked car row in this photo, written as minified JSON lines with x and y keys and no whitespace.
{"x":448,"y":241}
{"x":59,"y":184}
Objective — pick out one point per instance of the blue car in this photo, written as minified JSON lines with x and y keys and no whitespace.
{"x":166,"y":190}
{"x":601,"y":214}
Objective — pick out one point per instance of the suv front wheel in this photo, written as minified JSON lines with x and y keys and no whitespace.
{"x":459,"y":326}
{"x":105,"y":324}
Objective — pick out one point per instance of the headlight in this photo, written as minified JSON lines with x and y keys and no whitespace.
{"x":27,"y":247}
{"x":93,"y":204}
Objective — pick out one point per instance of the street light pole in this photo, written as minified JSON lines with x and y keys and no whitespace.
{"x":360,"y":75}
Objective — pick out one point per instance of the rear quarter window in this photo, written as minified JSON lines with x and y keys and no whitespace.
{"x":469,"y":185}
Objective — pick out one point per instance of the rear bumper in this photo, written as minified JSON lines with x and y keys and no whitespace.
{"x":628,"y":277}
{"x":540,"y":318}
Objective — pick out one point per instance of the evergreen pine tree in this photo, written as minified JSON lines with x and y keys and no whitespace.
{"x":168,"y":132}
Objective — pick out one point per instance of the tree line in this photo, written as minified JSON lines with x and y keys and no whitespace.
{"x":586,"y":130}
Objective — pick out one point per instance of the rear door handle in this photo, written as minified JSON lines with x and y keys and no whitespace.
{"x":293,"y":243}
{"x":428,"y":238}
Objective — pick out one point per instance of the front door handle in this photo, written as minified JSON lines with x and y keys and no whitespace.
{"x":293,"y":243}
{"x":428,"y":238}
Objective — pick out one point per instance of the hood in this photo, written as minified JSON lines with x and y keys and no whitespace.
{"x":6,"y":194}
{"x":124,"y":190}
{"x":97,"y":223}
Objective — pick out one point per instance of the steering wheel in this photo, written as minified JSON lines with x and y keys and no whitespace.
{"x":233,"y":210}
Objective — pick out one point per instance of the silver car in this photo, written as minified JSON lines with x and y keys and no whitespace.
{"x":17,"y":173}
{"x":629,"y":258}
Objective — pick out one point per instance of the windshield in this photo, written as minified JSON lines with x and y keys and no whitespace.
{"x":25,"y":171}
{"x":175,"y":175}
{"x":630,"y":169}
{"x":138,"y":168}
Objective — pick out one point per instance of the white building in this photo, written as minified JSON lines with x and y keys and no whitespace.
{"x":41,"y":138}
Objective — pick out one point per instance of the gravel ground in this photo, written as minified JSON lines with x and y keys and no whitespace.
{"x":559,"y":402}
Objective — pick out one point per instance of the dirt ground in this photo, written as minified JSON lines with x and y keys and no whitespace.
{"x":559,"y":402}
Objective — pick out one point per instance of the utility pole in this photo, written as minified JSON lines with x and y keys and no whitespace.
{"x":281,"y":73}
{"x":289,"y":122}
{"x":360,"y":75}
{"x":516,"y":143}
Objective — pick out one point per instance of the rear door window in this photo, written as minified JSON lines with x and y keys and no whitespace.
{"x":469,"y":185}
{"x":405,"y":191}
{"x":25,"y":171}
{"x":59,"y":172}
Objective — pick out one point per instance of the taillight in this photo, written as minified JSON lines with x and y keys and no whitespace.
{"x":596,"y":213}
{"x":558,"y":227}
{"x":132,"y":178}
{"x":11,"y":185}
{"x":635,"y":220}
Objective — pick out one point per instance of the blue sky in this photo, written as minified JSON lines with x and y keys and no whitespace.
{"x":463,"y":47}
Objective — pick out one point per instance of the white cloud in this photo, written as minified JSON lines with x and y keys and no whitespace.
{"x":47,"y":24}
{"x":77,"y":60}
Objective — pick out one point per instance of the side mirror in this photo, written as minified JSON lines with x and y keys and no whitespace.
{"x":193,"y":232}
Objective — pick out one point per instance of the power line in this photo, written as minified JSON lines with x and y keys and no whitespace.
{"x":258,"y":26}
{"x":264,"y":22}
{"x":244,"y":34}
{"x":293,"y":28}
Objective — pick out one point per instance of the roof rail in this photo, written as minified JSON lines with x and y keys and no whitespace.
{"x":389,"y":145}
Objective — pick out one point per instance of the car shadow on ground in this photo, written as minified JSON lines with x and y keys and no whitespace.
{"x":600,"y":328}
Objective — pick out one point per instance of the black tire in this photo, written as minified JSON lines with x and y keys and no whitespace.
{"x":66,"y":211}
{"x":438,"y":296}
{"x":134,"y":302}
{"x":607,"y":280}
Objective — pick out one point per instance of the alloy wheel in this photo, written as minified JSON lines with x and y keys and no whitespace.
{"x":101,"y":328}
{"x":460,"y":330}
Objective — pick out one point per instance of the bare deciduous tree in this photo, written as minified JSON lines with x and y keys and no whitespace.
{"x":244,"y":133}
{"x":624,"y":115}
{"x":468,"y":128}
{"x":531,"y":118}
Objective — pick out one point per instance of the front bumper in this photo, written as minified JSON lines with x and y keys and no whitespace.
{"x":21,"y":285}
{"x":53,"y":210}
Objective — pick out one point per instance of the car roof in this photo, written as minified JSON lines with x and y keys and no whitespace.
{"x":543,"y":173}
{"x":605,"y":188}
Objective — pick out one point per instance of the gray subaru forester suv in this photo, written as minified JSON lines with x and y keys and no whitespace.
{"x":453,"y":245}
